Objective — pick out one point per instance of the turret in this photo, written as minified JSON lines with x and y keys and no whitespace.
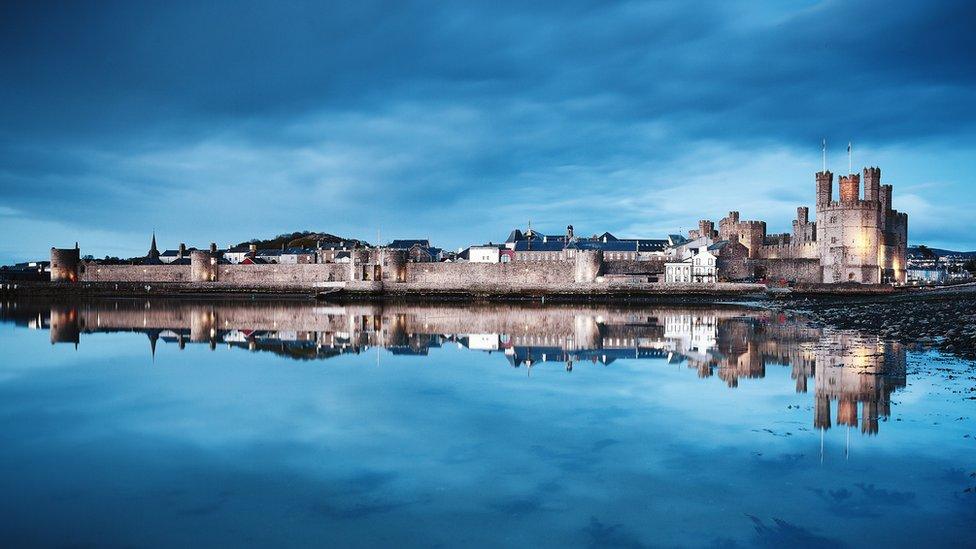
{"x":825,"y":188}
{"x":885,"y":198}
{"x":872,"y":183}
{"x":850,"y":188}
{"x":803,"y":214}
{"x":203,"y":266}
{"x":64,"y":264}
{"x":706,"y":228}
{"x":569,"y":233}
{"x":589,"y":265}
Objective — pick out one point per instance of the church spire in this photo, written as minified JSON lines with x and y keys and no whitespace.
{"x":153,"y":251}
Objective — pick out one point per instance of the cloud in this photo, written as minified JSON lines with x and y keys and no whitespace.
{"x":229,"y":121}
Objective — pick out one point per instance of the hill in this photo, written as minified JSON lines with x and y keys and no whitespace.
{"x":922,"y":250}
{"x":301,"y":239}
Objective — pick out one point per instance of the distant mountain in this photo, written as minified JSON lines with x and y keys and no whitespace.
{"x":922,"y":251}
{"x":301,"y":239}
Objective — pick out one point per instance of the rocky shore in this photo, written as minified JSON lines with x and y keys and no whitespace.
{"x":943,"y":319}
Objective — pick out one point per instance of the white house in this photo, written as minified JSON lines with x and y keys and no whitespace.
{"x":699,"y":268}
{"x":484,"y":254}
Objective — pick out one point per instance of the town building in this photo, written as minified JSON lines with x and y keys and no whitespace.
{"x":532,"y":245}
{"x":485,"y":254}
{"x":699,"y":268}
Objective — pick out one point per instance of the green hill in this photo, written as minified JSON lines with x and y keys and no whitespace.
{"x":301,"y":239}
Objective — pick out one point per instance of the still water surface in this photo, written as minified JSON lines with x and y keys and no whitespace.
{"x":160,"y":423}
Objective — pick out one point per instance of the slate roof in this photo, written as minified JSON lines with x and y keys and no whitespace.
{"x":539,"y":246}
{"x":406,"y":244}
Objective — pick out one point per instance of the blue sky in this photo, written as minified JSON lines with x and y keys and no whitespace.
{"x":458,"y":121}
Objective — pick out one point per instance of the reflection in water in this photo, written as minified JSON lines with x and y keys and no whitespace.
{"x":854,"y":374}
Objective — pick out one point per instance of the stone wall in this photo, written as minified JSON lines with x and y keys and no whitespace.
{"x":302,"y":274}
{"x":441,"y":276}
{"x":134,"y":273}
{"x":625,"y":267}
{"x":795,"y":270}
{"x":807,"y":250}
{"x":296,"y":274}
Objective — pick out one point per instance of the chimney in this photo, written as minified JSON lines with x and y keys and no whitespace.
{"x":253,"y":248}
{"x":182,"y":253}
{"x":213,"y":248}
{"x":569,"y":232}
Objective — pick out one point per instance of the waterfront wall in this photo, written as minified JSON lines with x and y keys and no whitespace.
{"x":202,"y":275}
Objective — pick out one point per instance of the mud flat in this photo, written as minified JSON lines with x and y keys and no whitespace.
{"x":943,"y":318}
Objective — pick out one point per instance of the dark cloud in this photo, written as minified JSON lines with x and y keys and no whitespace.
{"x":415,"y":115}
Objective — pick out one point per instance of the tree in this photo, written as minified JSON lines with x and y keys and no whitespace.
{"x":970,"y":266}
{"x":926,"y":253}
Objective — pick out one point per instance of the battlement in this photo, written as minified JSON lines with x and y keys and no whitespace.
{"x":789,"y":250}
{"x":856,"y":205}
{"x":752,"y":224}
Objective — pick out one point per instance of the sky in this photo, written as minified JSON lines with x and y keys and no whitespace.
{"x":225,"y":121}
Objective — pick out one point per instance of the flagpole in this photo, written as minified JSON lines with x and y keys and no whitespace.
{"x":850,"y":157}
{"x":823,"y":149}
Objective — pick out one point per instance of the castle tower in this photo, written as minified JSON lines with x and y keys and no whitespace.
{"x":203,"y":266}
{"x":872,"y":184}
{"x":849,"y":234}
{"x":589,"y":265}
{"x":64,"y":264}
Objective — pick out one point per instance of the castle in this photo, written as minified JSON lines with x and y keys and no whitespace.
{"x":853,"y":239}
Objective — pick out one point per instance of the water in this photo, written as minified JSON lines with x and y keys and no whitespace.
{"x":261,"y":423}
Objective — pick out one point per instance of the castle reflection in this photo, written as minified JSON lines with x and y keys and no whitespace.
{"x":852,"y":372}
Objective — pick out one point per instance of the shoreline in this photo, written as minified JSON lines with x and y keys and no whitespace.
{"x":581,"y":293}
{"x":941,"y":318}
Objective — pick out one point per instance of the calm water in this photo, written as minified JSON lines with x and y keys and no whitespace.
{"x":256,"y":423}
